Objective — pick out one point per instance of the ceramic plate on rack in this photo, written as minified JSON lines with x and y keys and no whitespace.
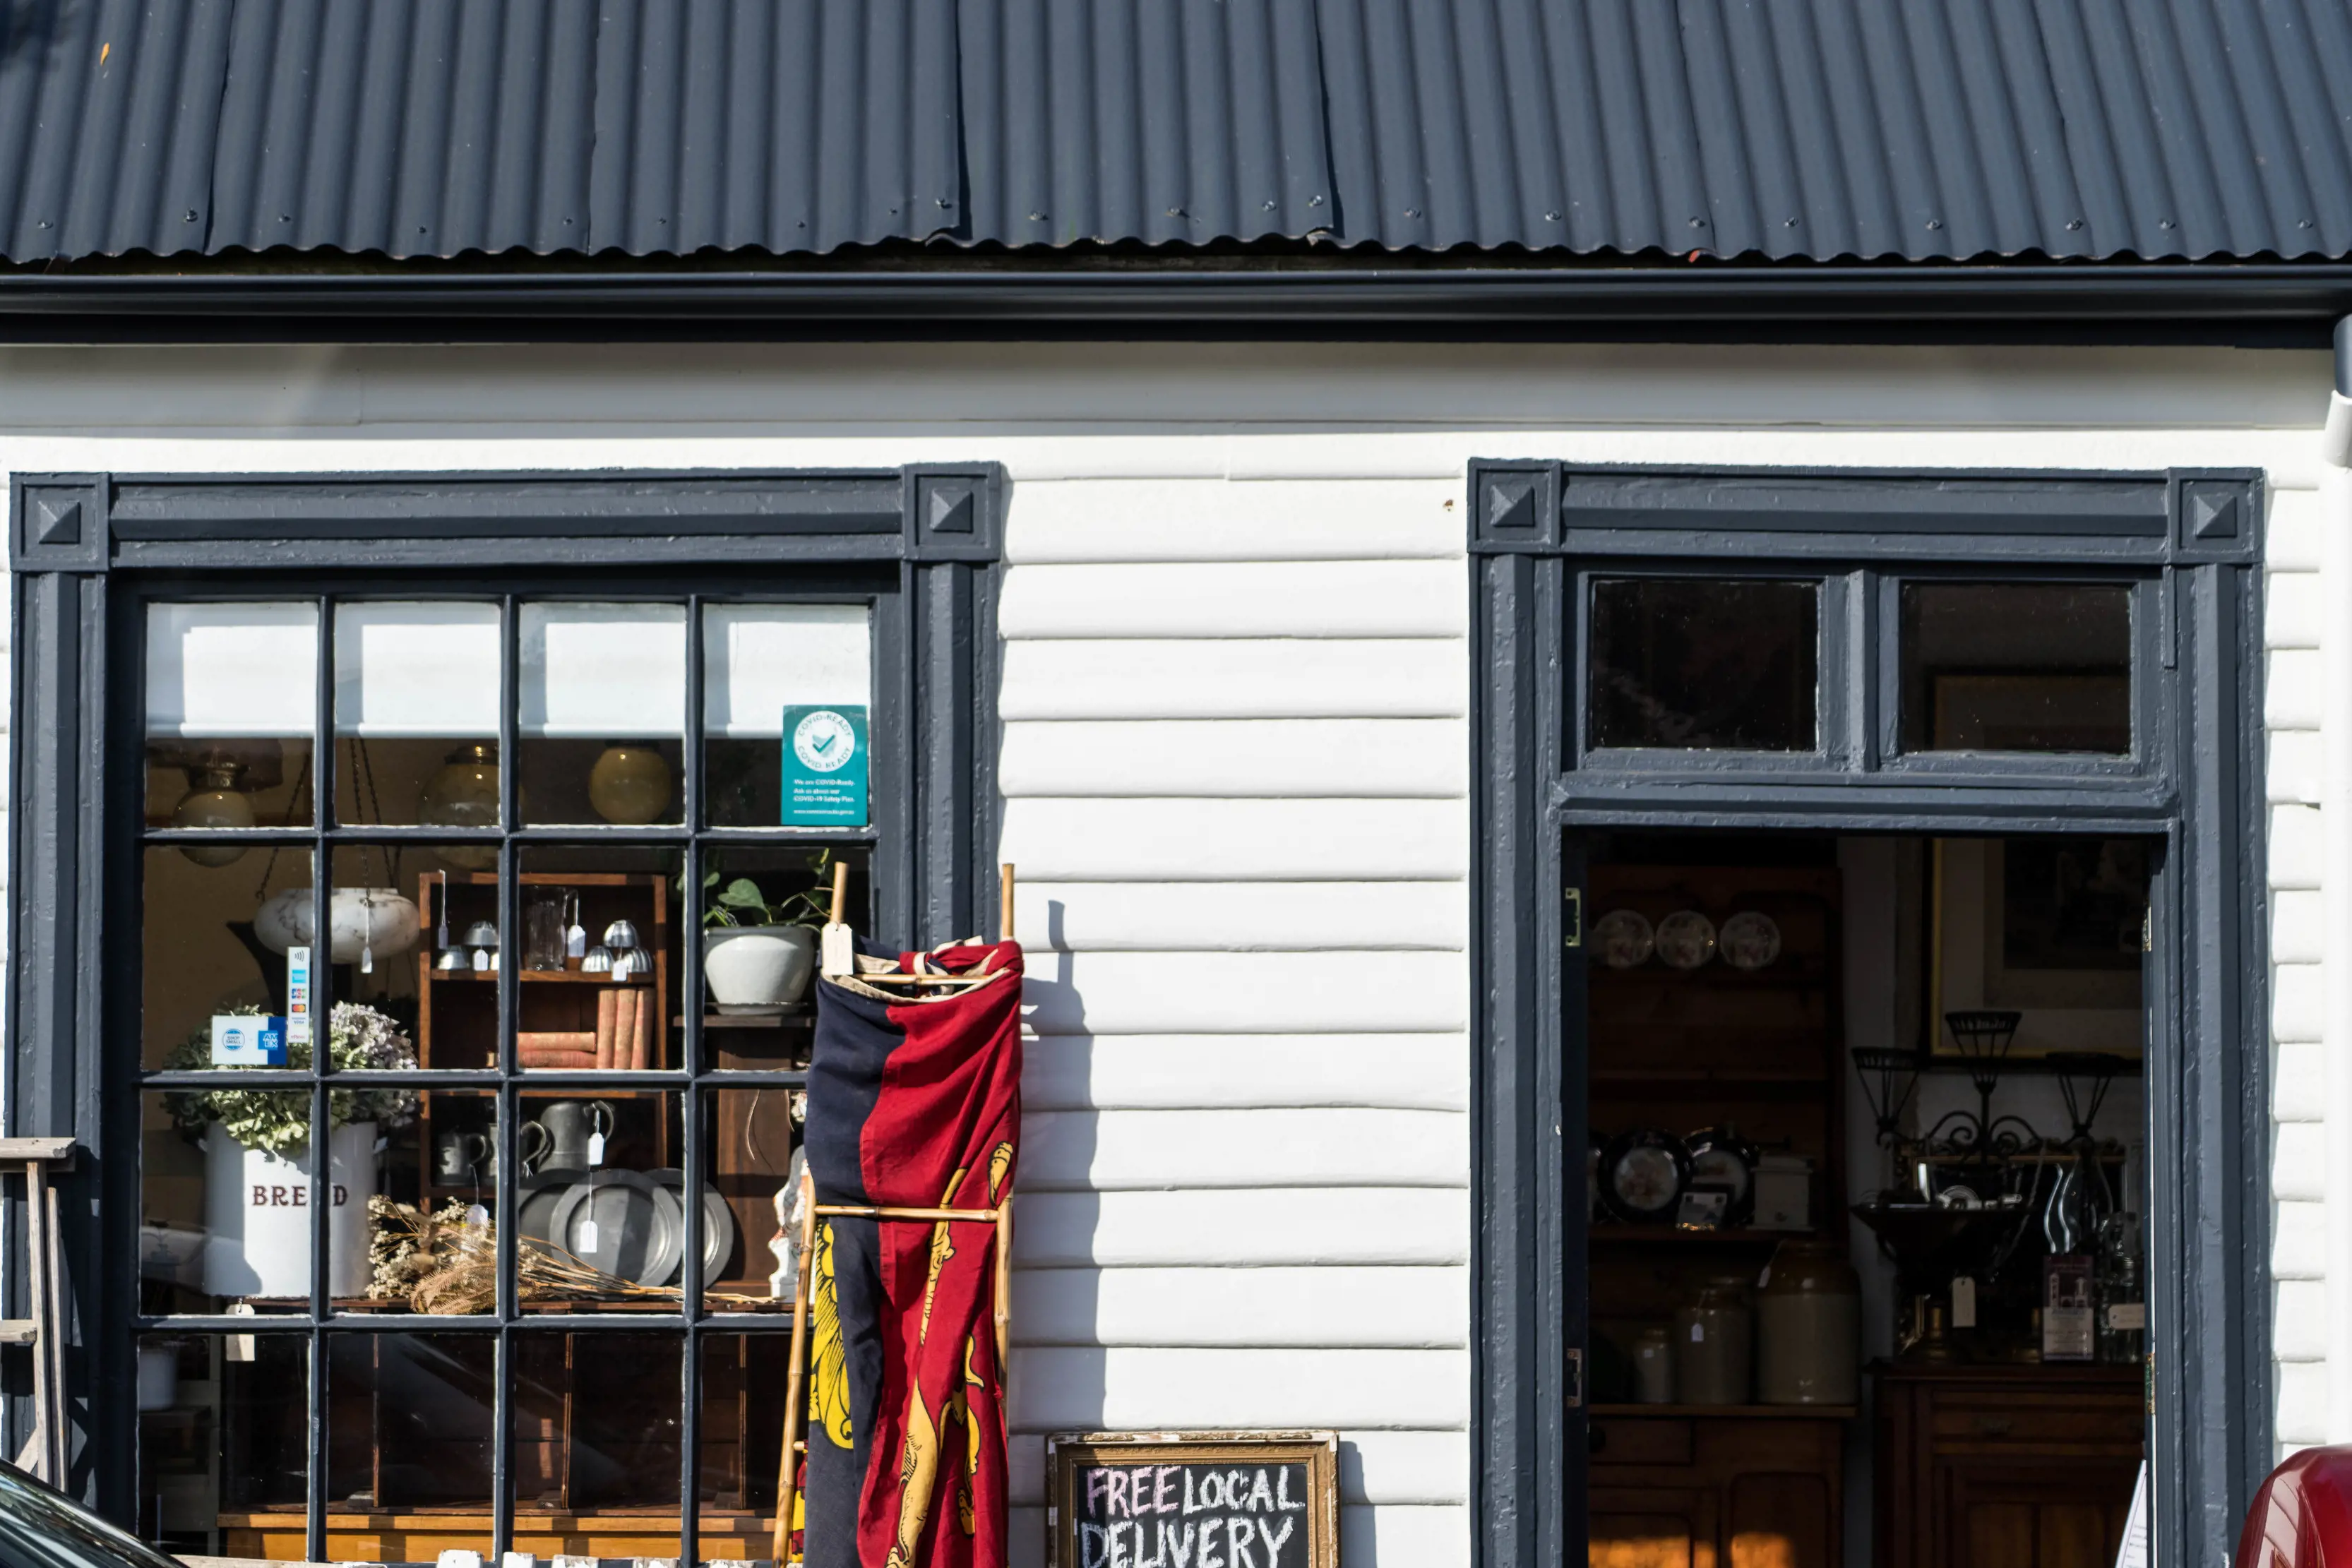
{"x":1625,"y":937}
{"x":717,"y":1223}
{"x":1750,"y":940}
{"x":1642,"y":1174}
{"x":1686,"y":939}
{"x":638,"y":1226}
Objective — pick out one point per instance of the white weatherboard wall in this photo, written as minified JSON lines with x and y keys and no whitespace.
{"x":1236,"y":756}
{"x":2301,"y":1215}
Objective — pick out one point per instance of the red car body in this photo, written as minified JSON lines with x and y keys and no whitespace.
{"x":2302,"y":1517}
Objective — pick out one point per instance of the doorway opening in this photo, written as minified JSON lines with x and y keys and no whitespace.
{"x":1865,"y":1188}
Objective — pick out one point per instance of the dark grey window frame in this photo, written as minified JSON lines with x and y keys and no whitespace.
{"x":2193,"y":539}
{"x":921,"y":543}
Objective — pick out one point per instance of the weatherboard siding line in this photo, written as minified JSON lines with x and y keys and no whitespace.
{"x":1135,"y":679}
{"x":1241,"y":916}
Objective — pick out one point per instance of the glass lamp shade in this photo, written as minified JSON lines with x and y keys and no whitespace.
{"x":464,"y":794}
{"x":370,"y":922}
{"x":629,"y":784}
{"x":213,"y":800}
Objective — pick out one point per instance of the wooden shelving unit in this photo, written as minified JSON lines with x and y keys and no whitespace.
{"x":1761,"y":1051}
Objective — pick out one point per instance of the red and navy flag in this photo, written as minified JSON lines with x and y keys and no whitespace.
{"x":914,"y":1101}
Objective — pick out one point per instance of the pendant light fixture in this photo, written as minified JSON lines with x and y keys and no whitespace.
{"x":216,"y":798}
{"x":630,"y":784}
{"x":465,"y":794}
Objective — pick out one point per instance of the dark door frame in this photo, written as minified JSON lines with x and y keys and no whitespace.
{"x":2192,"y":540}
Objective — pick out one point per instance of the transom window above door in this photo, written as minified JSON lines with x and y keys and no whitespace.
{"x":1701,"y":663}
{"x":1869,"y":669}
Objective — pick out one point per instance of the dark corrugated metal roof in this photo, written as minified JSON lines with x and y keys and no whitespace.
{"x":1782,"y":129}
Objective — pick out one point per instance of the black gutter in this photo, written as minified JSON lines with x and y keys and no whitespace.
{"x":2267,"y":303}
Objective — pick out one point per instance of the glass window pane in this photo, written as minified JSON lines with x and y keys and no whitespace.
{"x":226,"y":1202}
{"x":417,"y":714}
{"x":432,"y":1231}
{"x":415,"y":939}
{"x":214,"y":941}
{"x":410,"y":1418}
{"x":232,"y":700}
{"x":764,"y":664}
{"x":596,"y":1443}
{"x":742,"y":1432}
{"x":2017,"y":666}
{"x":602,"y":713}
{"x":613,"y":1004}
{"x":760,"y":911}
{"x":750,"y":1136}
{"x":1716,"y":663}
{"x":223,"y":1444}
{"x":601,"y":1204}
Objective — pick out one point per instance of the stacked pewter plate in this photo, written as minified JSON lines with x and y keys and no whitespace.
{"x":629,"y":1224}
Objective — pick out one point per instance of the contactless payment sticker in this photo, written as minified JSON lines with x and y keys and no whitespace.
{"x":825,"y":766}
{"x":249,"y":1039}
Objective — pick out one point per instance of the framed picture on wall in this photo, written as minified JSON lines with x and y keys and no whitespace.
{"x":2052,"y":927}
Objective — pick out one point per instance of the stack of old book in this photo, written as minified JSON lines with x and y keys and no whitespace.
{"x":623,"y":1037}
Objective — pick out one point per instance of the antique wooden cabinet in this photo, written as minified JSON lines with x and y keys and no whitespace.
{"x":2006,"y":1467}
{"x":1716,"y":1487}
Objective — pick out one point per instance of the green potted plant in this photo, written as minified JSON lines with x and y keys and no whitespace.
{"x":258,"y":1164}
{"x":757,"y":956}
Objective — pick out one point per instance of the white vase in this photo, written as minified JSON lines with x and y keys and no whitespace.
{"x":757,"y":965}
{"x":258,"y":1215}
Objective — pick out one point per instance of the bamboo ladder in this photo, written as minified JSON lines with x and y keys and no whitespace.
{"x":796,"y":1382}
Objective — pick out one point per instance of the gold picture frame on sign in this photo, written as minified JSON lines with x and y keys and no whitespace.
{"x":1279,"y":1491}
{"x":2050,"y":926}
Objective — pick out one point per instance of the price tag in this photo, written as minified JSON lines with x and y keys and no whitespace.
{"x":586,"y":1236}
{"x":478,"y":1218}
{"x":1698,"y":1333}
{"x":1964,"y":1302}
{"x":595,"y":1148}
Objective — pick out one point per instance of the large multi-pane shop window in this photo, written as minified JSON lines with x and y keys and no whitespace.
{"x":473,"y":1026}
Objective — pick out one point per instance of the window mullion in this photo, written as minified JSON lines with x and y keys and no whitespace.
{"x":692,"y":729}
{"x":507,"y":1296}
{"x":322,"y":1009}
{"x":690,"y":1158}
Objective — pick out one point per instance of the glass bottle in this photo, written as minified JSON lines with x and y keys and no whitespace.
{"x":2121,"y":1291}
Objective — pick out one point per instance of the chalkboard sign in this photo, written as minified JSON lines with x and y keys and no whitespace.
{"x":1194,"y":1499}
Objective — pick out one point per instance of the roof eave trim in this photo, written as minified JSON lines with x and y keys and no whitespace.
{"x":44,"y":306}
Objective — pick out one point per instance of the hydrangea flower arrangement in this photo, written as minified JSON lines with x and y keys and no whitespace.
{"x":279,"y":1120}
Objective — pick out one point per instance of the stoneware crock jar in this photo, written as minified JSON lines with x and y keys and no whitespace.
{"x":1808,"y":1313}
{"x":1714,"y":1342}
